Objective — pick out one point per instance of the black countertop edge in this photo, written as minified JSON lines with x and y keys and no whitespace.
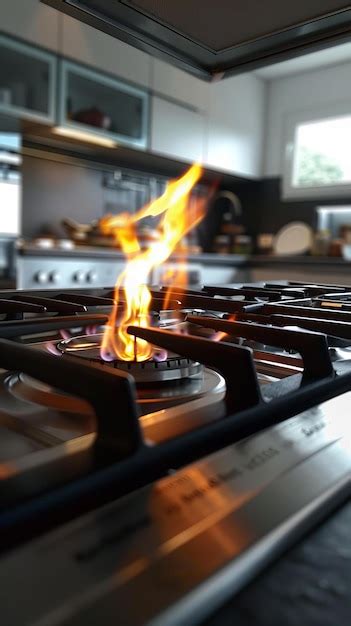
{"x":308,"y":586}
{"x":259,"y":260}
{"x":231,"y":260}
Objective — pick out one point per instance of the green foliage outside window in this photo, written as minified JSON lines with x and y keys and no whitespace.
{"x":316,"y":169}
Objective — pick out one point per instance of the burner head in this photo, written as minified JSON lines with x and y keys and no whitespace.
{"x":161,"y":369}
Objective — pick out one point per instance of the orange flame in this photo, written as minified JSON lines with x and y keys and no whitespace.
{"x":176,"y":222}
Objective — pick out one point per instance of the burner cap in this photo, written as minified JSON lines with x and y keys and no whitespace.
{"x":171,"y":369}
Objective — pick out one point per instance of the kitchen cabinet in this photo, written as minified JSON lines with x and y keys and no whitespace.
{"x":32,"y":21}
{"x":27,"y":81}
{"x":173,"y":83}
{"x":84,"y":44}
{"x":95,"y":102}
{"x":177,"y":131}
{"x":236,"y":113}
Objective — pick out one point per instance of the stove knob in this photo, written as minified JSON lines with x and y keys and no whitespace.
{"x":92,"y":277}
{"x":79,"y":277}
{"x":41,"y":277}
{"x":54,"y":277}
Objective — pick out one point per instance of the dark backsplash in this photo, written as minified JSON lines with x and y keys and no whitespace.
{"x":264,"y":211}
{"x":53,"y":190}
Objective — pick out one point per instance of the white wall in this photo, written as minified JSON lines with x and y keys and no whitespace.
{"x":309,"y":90}
{"x":236,"y":119}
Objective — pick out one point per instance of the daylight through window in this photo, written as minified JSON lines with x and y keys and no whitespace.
{"x":322,"y":153}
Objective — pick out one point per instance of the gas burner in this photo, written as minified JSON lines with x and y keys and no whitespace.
{"x":151,"y":397}
{"x":160,"y":369}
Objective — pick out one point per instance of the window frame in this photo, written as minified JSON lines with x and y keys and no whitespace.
{"x":292,"y":121}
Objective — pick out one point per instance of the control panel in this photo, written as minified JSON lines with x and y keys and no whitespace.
{"x":50,"y":272}
{"x":66,"y":273}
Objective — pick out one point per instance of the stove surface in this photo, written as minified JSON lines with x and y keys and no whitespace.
{"x":182,"y":544}
{"x":202,"y":464}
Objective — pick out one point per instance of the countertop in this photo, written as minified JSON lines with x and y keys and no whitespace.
{"x":228,"y":260}
{"x":110,"y":253}
{"x":309,"y":586}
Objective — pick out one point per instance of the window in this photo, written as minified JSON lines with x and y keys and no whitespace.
{"x":318,"y":159}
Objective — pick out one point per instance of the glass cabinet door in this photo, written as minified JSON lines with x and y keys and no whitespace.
{"x":27,"y":81}
{"x":99,"y":104}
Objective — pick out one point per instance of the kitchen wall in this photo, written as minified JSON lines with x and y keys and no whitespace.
{"x":307,"y":90}
{"x":264,"y":208}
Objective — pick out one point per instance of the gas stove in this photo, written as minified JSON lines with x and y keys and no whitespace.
{"x":172,"y":481}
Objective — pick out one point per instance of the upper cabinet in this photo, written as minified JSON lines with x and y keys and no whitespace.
{"x":105,"y":86}
{"x":95,"y":102}
{"x":27,"y":81}
{"x":31,"y":20}
{"x":236,"y":115}
{"x":87,"y":45}
{"x":176,"y":131}
{"x":173,"y":83}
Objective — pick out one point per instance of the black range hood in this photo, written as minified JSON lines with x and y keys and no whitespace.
{"x":217,"y":38}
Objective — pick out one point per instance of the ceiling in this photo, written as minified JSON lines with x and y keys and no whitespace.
{"x":314,"y":60}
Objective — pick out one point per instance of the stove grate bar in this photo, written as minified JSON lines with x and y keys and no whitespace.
{"x":235,"y":363}
{"x":157,"y":301}
{"x":51,"y":304}
{"x":85,"y":299}
{"x":249,"y":293}
{"x":110,"y":393}
{"x":312,"y":346}
{"x":19,"y":328}
{"x":19,"y":306}
{"x":344,"y":296}
{"x":283,"y":290}
{"x":306,"y":311}
{"x":207,"y":303}
{"x":328,"y":327}
{"x":310,"y":288}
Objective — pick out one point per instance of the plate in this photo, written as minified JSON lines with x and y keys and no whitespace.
{"x":294,"y":238}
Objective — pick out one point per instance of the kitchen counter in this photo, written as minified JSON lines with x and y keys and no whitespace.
{"x":216,"y":269}
{"x":108,"y":253}
{"x":309,"y":586}
{"x":298,"y":260}
{"x":205,"y":258}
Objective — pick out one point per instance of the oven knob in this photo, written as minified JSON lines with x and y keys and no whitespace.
{"x":54,"y":277}
{"x":41,"y":277}
{"x":92,"y":277}
{"x":79,"y":277}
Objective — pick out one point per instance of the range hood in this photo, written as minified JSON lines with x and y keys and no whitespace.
{"x":217,"y":38}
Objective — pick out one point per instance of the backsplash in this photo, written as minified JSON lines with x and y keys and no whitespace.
{"x":52,"y":191}
{"x":264,"y":211}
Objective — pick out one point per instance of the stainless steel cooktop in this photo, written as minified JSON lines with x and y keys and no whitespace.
{"x":175,"y":481}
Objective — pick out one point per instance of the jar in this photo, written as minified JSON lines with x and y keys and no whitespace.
{"x":321,"y":243}
{"x":221,"y":244}
{"x":265,"y":243}
{"x":335,"y":247}
{"x":242,"y":244}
